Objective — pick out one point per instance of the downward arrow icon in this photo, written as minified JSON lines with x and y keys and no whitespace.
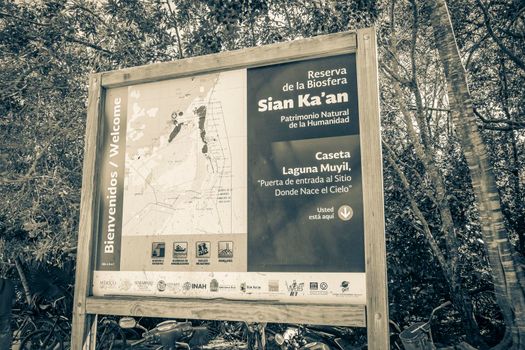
{"x":345,"y":212}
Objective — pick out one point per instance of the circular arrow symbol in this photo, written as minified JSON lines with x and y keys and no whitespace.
{"x":345,"y":212}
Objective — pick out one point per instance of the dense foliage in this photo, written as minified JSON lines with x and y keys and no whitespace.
{"x":48,"y":48}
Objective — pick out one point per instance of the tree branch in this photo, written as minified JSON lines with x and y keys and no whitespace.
{"x":497,"y":40}
{"x":510,"y":124}
{"x":433,"y":109}
{"x":417,"y":212}
{"x":88,"y":44}
{"x":67,"y":37}
{"x":32,"y":169}
{"x":175,"y":23}
{"x":3,"y":14}
{"x":23,"y":279}
{"x":96,"y":16}
{"x":394,"y":76}
{"x":473,"y":49}
{"x":393,"y":56}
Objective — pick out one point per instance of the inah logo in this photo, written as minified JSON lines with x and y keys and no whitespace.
{"x":345,"y":286}
{"x":314,"y":286}
{"x":243,"y":287}
{"x":198,"y":286}
{"x":186,"y":286}
{"x":294,"y":288}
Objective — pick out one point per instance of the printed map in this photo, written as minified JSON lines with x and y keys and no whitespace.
{"x":186,"y":156}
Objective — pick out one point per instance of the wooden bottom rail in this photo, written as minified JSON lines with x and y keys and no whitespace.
{"x":250,"y":311}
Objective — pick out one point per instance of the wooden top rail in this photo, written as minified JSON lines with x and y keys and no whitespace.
{"x":318,"y":46}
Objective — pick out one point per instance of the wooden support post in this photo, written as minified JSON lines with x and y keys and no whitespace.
{"x":82,"y":322}
{"x":375,"y":247}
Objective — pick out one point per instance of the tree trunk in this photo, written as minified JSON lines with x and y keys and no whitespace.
{"x":519,"y":222}
{"x":507,"y":273}
{"x":23,"y":279}
{"x":426,"y":154}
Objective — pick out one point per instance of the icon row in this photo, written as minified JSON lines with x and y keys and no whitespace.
{"x":202,"y":250}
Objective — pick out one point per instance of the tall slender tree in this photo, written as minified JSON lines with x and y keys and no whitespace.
{"x":509,"y":279}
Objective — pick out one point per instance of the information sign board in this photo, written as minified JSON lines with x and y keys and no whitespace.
{"x":239,"y":186}
{"x":242,"y":184}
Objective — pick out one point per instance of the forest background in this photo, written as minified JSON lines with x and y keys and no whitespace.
{"x":453,"y":129}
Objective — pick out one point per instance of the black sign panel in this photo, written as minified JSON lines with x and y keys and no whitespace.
{"x":111,"y":182}
{"x":305,"y":211}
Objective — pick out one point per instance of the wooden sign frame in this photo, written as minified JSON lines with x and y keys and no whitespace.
{"x":374,"y":315}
